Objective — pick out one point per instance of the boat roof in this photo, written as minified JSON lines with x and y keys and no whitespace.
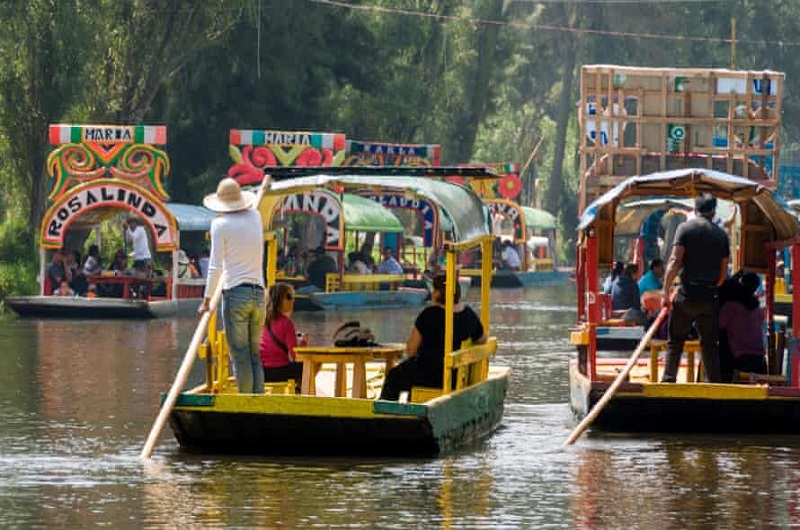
{"x":191,"y":218}
{"x":768,"y":218}
{"x":366,"y":215}
{"x":457,"y":203}
{"x":538,"y":219}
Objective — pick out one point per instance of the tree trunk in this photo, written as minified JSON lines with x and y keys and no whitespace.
{"x":565,"y":110}
{"x":479,"y":87}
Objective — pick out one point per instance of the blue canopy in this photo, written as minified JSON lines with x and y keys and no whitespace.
{"x":191,"y":218}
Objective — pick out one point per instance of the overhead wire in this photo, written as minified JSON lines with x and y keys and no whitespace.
{"x":549,"y":27}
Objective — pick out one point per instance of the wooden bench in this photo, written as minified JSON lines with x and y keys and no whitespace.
{"x":470,"y":365}
{"x":690,"y":348}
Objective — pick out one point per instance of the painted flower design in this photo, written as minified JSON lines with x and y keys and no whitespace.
{"x":509,"y":186}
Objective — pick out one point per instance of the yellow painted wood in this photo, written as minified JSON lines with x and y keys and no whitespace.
{"x":272,"y":258}
{"x":579,"y":337}
{"x":474,"y":354}
{"x":421,"y":394}
{"x":450,"y":291}
{"x":292,"y":405}
{"x":702,"y":391}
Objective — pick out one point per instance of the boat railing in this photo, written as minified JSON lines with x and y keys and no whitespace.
{"x":462,"y":368}
{"x":360,"y":282}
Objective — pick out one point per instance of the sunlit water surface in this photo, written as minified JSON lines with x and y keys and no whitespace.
{"x":78,"y":399}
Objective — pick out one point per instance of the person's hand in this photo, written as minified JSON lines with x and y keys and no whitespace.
{"x":203,"y":307}
{"x":666,"y":300}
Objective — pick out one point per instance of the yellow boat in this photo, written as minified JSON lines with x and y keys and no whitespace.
{"x":337,"y":411}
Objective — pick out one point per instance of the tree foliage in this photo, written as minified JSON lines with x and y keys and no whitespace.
{"x":486,"y":79}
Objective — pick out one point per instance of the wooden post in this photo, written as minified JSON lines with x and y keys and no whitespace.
{"x":450,"y":291}
{"x":593,"y":304}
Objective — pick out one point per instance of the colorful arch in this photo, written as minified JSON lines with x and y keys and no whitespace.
{"x":109,"y":193}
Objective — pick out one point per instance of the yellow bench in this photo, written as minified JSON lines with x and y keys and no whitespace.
{"x":470,"y":364}
{"x":690,"y":348}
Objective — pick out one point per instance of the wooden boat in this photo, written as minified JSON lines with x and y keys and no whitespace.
{"x":754,"y":402}
{"x":522,"y":225}
{"x":332,"y":416}
{"x":100,"y":171}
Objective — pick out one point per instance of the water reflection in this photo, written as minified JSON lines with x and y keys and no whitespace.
{"x":78,"y":399}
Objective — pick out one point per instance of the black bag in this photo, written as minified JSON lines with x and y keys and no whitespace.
{"x":352,"y":334}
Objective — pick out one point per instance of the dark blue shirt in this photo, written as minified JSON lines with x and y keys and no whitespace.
{"x":625,"y":293}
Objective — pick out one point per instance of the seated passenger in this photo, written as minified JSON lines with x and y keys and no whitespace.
{"x":279,"y":337}
{"x":357,"y":263}
{"x":742,"y":320}
{"x":624,"y":291}
{"x":318,"y":268}
{"x":93,"y":264}
{"x":120,"y":263}
{"x":653,"y":279}
{"x":186,"y":270}
{"x":619,"y":267}
{"x":425,"y":347}
{"x":63,"y":289}
{"x":510,"y":256}
{"x":91,"y":291}
{"x":389,"y":265}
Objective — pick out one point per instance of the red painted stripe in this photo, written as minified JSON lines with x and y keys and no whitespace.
{"x":161,"y":135}
{"x":236,"y":137}
{"x":338,"y":142}
{"x":55,"y":134}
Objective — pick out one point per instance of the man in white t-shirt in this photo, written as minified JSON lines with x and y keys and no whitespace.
{"x":137,"y":236}
{"x":237,"y":261}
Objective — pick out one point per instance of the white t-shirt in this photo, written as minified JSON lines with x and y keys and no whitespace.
{"x":236,"y":251}
{"x":141,"y":248}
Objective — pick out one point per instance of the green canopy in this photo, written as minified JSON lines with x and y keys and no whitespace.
{"x":536,"y":219}
{"x":366,"y":215}
{"x":458,"y":203}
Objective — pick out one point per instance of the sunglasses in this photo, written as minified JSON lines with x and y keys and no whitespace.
{"x":289,"y":296}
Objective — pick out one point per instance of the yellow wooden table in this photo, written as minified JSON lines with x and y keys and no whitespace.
{"x":313,"y":357}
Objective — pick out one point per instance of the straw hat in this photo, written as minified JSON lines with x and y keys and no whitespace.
{"x":229,"y":198}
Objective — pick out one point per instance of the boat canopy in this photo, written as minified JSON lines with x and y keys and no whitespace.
{"x":191,"y":218}
{"x":365,"y":215}
{"x":538,"y":219}
{"x":458,"y":203}
{"x":765,"y":217}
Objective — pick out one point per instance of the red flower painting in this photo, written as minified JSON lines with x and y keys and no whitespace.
{"x":509,"y":186}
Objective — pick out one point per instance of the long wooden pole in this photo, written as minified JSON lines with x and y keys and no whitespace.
{"x":584,"y":424}
{"x":189,"y":357}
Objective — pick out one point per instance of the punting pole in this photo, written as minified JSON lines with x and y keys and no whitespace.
{"x":191,"y":353}
{"x":617,"y":382}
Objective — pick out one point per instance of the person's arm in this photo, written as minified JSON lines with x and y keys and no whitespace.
{"x":480,"y":329}
{"x":214,"y":266}
{"x":674,"y":266}
{"x":723,"y":271}
{"x":414,"y":342}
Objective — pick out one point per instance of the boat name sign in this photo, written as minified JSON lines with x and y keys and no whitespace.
{"x":324,"y":205}
{"x":421,"y":206}
{"x":100,"y":194}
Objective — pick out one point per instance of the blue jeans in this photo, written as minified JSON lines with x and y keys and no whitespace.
{"x":243,"y":310}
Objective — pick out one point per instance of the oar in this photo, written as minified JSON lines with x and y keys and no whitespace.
{"x":582,"y":426}
{"x":191,"y":353}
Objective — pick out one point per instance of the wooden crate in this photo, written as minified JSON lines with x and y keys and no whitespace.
{"x":636,"y":121}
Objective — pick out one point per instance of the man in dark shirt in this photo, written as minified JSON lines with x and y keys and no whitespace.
{"x":322,"y":265}
{"x":701,"y":252}
{"x":625,"y":291}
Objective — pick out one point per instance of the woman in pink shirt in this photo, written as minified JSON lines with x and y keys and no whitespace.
{"x":279,"y":337}
{"x":742,"y":319}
